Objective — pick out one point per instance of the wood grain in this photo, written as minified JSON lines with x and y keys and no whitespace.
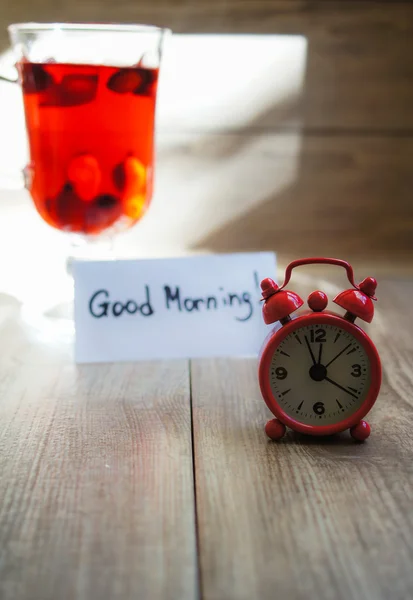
{"x":358,"y":76}
{"x":96,"y":486}
{"x":303,"y":517}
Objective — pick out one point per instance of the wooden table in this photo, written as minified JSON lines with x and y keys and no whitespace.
{"x":155,"y":480}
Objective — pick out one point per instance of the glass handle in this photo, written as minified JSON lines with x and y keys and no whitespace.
{"x":12,"y":179}
{"x":8,"y":79}
{"x":8,"y":68}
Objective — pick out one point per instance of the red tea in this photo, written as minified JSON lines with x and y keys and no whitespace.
{"x":91,"y":140}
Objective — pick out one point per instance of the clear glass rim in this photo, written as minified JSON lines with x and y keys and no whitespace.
{"x":93,"y":27}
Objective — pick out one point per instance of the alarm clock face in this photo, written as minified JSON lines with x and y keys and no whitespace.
{"x":320,"y":374}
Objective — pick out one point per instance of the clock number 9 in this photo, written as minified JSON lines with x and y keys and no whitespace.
{"x":356,"y":372}
{"x":281,"y":373}
{"x":318,"y":408}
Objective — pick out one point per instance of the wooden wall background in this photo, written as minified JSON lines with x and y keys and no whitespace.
{"x":353,"y":191}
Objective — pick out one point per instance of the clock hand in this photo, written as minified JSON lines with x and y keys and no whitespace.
{"x":340,"y":386}
{"x":320,"y":353}
{"x":337,"y":355}
{"x":309,"y":349}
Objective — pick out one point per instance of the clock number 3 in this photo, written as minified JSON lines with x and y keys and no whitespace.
{"x":356,"y":372}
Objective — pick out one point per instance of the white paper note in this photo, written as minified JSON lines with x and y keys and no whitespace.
{"x":202,"y":306}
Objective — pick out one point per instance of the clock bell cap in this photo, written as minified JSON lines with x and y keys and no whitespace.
{"x":279,"y":304}
{"x":359,"y":302}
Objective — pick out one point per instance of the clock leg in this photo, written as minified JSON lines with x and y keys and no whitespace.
{"x":361,"y":431}
{"x":275,"y":429}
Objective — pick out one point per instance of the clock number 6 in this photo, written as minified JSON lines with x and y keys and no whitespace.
{"x":318,"y":408}
{"x":281,"y":373}
{"x":356,"y":372}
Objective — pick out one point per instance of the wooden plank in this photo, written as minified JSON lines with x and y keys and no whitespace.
{"x":212,"y":16}
{"x":304,"y":517}
{"x":358,"y":70}
{"x":96,"y":482}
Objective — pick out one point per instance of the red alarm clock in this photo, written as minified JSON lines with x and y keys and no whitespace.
{"x":319,"y":372}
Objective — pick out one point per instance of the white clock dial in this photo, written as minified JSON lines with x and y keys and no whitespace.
{"x":320,"y":374}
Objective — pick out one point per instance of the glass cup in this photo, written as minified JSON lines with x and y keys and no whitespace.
{"x":89,"y":96}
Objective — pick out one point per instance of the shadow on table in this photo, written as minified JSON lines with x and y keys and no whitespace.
{"x":335,"y":206}
{"x":346,"y":193}
{"x":331,"y":441}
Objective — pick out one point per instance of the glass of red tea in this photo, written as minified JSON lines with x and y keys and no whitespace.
{"x":89,"y":94}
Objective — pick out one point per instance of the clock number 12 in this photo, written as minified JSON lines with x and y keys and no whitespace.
{"x":318,"y":336}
